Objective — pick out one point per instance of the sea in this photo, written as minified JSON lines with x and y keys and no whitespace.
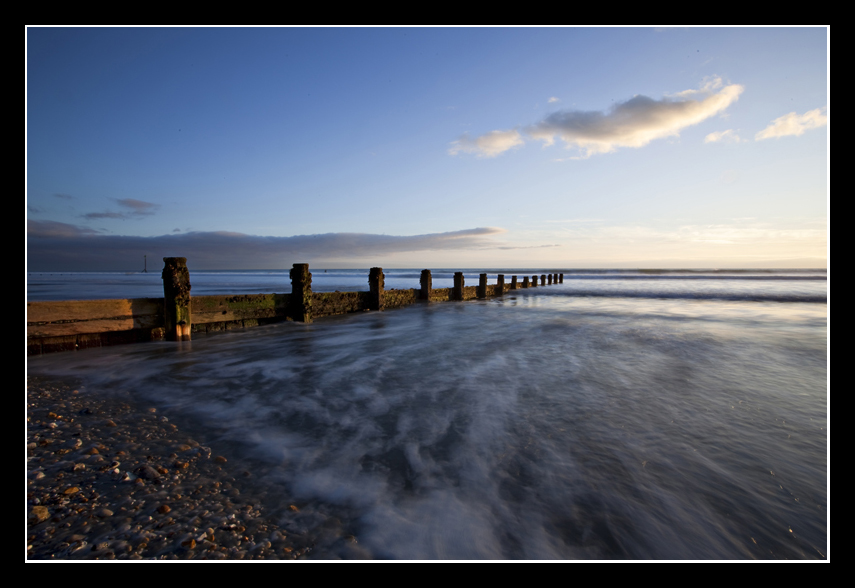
{"x":622,"y":414}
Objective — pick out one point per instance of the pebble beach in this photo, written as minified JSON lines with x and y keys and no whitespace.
{"x":110,"y":479}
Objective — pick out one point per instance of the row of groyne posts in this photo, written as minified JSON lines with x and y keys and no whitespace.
{"x":68,"y":325}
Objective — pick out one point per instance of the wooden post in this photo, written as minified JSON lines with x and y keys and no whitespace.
{"x":301,"y":293}
{"x":560,"y":278}
{"x":525,"y":281}
{"x":554,"y":278}
{"x":427,"y":284}
{"x":543,"y":279}
{"x":176,"y":298}
{"x":513,"y":282}
{"x":549,"y":279}
{"x":482,"y":285}
{"x":534,"y":281}
{"x":457,"y":292}
{"x":376,"y":284}
{"x":500,"y":285}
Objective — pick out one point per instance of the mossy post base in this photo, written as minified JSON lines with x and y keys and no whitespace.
{"x":376,"y":287}
{"x":301,"y":293}
{"x":176,"y":299}
{"x":427,"y":284}
{"x":457,"y":292}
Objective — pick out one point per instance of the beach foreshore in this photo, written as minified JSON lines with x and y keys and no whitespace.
{"x":109,"y":478}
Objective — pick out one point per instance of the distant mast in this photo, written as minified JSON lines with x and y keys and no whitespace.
{"x":145,"y":265}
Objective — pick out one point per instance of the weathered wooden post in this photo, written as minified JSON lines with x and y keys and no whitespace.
{"x":549,"y":279}
{"x":560,"y":278}
{"x":301,"y":293}
{"x":376,"y":284}
{"x":500,"y":285}
{"x":525,"y":281}
{"x":427,"y":283}
{"x":513,"y":282}
{"x":554,"y":278}
{"x":534,"y":281}
{"x":543,"y":279}
{"x":482,"y":286}
{"x":457,"y":292}
{"x":176,"y":298}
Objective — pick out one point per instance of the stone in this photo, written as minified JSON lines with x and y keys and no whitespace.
{"x":38,"y":515}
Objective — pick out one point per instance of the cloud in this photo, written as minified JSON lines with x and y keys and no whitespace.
{"x":728,"y":136}
{"x":60,"y":246}
{"x":138,"y":207}
{"x":489,"y":145}
{"x":793,"y":124}
{"x":633,"y":123}
{"x":108,"y":214}
{"x":554,"y":99}
{"x":64,"y":196}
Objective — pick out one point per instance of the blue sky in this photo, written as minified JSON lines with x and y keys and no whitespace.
{"x":427,"y":147}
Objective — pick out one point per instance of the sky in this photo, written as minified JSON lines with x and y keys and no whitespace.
{"x":257,"y":148}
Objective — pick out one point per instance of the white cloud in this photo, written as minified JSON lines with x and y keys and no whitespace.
{"x":728,"y":136}
{"x":489,"y":145}
{"x":554,"y":99}
{"x":633,"y":123}
{"x":794,"y":124}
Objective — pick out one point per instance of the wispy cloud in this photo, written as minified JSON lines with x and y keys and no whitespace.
{"x":728,"y":136}
{"x":100,"y":215}
{"x":489,"y":145}
{"x":793,"y":124}
{"x":632,"y":123}
{"x":55,"y":245}
{"x":137,"y":208}
{"x":553,"y":99}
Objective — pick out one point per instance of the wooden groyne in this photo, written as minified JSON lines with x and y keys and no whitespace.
{"x":81,"y":324}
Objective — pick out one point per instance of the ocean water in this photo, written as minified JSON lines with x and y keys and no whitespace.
{"x":619,"y":415}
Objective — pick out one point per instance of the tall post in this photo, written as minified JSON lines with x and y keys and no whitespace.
{"x":534,"y":281}
{"x":427,"y":284}
{"x":301,"y":293}
{"x":525,"y":281}
{"x":457,"y":292}
{"x":513,"y":282}
{"x":500,"y":285}
{"x":554,"y":278}
{"x":560,"y":278}
{"x":176,"y":298}
{"x":482,"y":285}
{"x":543,"y":280}
{"x":376,"y":285}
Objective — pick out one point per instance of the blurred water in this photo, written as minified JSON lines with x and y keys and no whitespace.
{"x":538,"y":425}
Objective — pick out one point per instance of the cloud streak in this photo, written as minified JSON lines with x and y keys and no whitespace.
{"x":793,"y":124}
{"x":488,"y":145}
{"x":728,"y":136}
{"x":54,"y":246}
{"x":632,"y":123}
{"x":137,"y":208}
